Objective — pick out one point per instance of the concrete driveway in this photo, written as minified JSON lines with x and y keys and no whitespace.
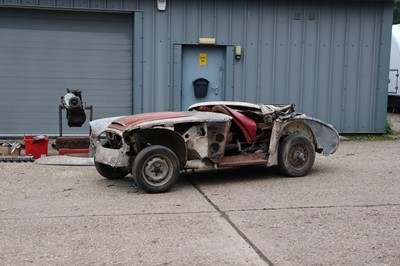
{"x":346,"y":212}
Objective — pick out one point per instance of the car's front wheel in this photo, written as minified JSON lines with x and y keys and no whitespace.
{"x":156,"y":169}
{"x":296,"y":155}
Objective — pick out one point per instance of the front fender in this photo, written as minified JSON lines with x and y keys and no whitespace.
{"x":158,"y":136}
{"x":112,"y":157}
{"x":102,"y":152}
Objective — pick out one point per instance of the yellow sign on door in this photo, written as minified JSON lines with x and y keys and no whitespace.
{"x":202,"y":59}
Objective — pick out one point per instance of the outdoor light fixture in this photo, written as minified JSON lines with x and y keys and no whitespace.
{"x":207,"y":41}
{"x":238,"y":52}
{"x":161,"y":5}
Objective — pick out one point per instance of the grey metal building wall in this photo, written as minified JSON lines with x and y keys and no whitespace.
{"x":330,"y":58}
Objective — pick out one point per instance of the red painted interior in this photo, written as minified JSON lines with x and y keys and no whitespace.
{"x":247,"y":125}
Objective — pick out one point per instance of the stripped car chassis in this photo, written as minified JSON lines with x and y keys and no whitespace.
{"x":210,"y":136}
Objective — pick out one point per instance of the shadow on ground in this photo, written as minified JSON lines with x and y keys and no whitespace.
{"x":237,"y":174}
{"x":201,"y":177}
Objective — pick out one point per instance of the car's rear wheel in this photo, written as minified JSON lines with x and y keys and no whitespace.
{"x":110,"y":172}
{"x":296,"y":155}
{"x":156,"y":169}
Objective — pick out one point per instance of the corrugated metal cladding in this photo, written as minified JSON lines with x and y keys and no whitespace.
{"x":330,"y":58}
{"x":327,"y":57}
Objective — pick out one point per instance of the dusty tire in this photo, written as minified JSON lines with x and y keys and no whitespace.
{"x":156,"y":169}
{"x":296,"y":155}
{"x":110,"y":172}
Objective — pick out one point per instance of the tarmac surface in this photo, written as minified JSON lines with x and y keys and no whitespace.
{"x":345,"y":212}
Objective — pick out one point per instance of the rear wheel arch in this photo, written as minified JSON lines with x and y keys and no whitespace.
{"x":281,"y":130}
{"x":299,"y":128}
{"x":291,"y":133}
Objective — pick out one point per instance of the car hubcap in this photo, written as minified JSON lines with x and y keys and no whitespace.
{"x":298,"y":155}
{"x":157,"y":169}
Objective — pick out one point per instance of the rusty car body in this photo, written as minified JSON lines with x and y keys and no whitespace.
{"x":155,"y":147}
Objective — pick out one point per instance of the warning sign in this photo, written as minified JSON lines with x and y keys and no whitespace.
{"x":203,"y":59}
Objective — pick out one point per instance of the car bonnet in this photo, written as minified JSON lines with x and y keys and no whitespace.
{"x":164,"y":118}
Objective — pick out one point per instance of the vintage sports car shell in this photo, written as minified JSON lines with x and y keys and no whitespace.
{"x":154,"y":147}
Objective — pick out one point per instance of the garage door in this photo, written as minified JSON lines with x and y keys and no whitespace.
{"x":44,"y":52}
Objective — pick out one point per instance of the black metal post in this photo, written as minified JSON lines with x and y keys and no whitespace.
{"x":60,"y":107}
